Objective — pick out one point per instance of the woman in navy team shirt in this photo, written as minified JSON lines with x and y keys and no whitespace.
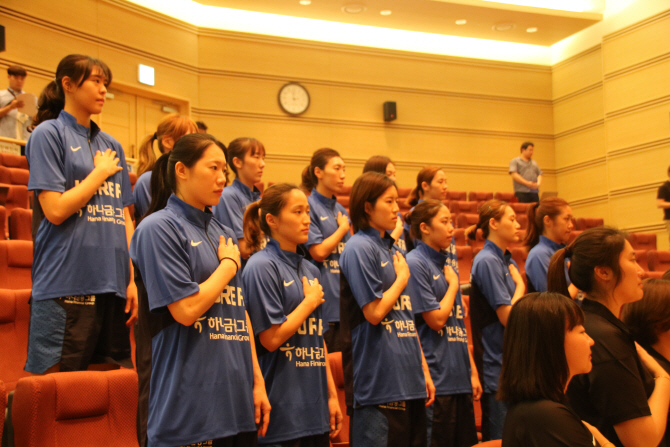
{"x":203,"y":354}
{"x":496,"y":286}
{"x":384,"y":165}
{"x":431,"y":183}
{"x":82,"y":280}
{"x":246,"y":158}
{"x":328,"y":234}
{"x":549,"y":228}
{"x":436,"y":301}
{"x":285,"y":296}
{"x":386,"y":376}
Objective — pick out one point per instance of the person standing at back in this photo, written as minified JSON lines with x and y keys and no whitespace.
{"x":14,"y":124}
{"x":526,"y":174}
{"x":663,"y":201}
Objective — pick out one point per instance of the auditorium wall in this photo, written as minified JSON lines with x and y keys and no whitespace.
{"x":612,"y":126}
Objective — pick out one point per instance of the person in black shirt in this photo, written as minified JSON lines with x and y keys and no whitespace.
{"x":663,"y":201}
{"x":649,"y":322}
{"x":545,"y":346}
{"x":627,"y":393}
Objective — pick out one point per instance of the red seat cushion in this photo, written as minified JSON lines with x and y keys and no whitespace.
{"x":14,"y":321}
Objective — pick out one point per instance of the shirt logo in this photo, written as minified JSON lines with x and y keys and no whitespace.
{"x":286,"y":284}
{"x":384,"y":263}
{"x":195,"y":244}
{"x":323,"y":217}
{"x":75,"y":149}
{"x":436,"y":277}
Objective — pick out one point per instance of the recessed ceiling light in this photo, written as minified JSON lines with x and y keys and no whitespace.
{"x":502,"y":27}
{"x":354,"y":8}
{"x":385,"y":12}
{"x":461,"y":22}
{"x":305,"y":2}
{"x":532,"y":29}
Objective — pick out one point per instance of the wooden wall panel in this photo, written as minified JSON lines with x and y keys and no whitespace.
{"x":578,"y":73}
{"x":579,"y":147}
{"x":595,"y":209}
{"x":636,"y":44}
{"x":583,"y":183}
{"x":645,"y":84}
{"x":639,"y":127}
{"x":578,"y":111}
{"x":635,"y":209}
{"x":639,"y":168}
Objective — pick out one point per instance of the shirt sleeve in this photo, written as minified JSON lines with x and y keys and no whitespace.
{"x":536,"y":272}
{"x":315,"y":233}
{"x":44,"y":152}
{"x":513,"y":166}
{"x":491,"y":282}
{"x":229,"y":212}
{"x":418,"y":288}
{"x":262,"y":287}
{"x":142,"y":194}
{"x":360,"y":269}
{"x":159,"y":253}
{"x":126,"y":189}
{"x":664,"y":192}
{"x":537,"y":167}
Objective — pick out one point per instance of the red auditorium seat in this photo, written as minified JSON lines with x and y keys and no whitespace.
{"x":642,"y":241}
{"x":573,"y":235}
{"x":3,"y":405}
{"x":20,"y":224}
{"x":403,"y":192}
{"x":16,"y":260}
{"x":345,"y":191}
{"x":505,"y":197}
{"x":496,"y":443}
{"x":658,"y":260}
{"x":519,"y":208}
{"x":466,"y":219}
{"x":133,"y":179}
{"x":464,"y":256}
{"x":479,"y":196}
{"x":523,"y":220}
{"x":4,"y":228}
{"x":584,"y":223}
{"x":14,"y":161}
{"x":641,"y":258}
{"x":343,"y":200}
{"x":459,"y":237}
{"x":17,"y":196}
{"x":519,"y":255}
{"x":14,"y":320}
{"x":335,"y":362}
{"x":260,"y":186}
{"x":93,"y":408}
{"x":460,"y":206}
{"x":14,"y":176}
{"x":457,"y":195}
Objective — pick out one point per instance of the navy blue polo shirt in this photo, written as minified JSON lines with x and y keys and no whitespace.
{"x":142,"y":193}
{"x":537,"y":263}
{"x":87,"y":254}
{"x":295,"y":374}
{"x":446,"y":350}
{"x":197,"y":370}
{"x":323,"y":223}
{"x":233,"y":203}
{"x":493,"y":283}
{"x":386,"y":357}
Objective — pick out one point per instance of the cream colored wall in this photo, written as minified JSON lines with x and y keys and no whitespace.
{"x":469,"y":116}
{"x":611,"y":119}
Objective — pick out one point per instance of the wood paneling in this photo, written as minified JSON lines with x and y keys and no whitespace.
{"x":578,"y":73}
{"x":578,"y":111}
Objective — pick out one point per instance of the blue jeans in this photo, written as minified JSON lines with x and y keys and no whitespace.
{"x":497,"y":411}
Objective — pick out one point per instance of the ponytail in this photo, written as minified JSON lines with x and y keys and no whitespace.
{"x":77,"y":68}
{"x":424,"y":212}
{"x":556,"y":281}
{"x":173,"y":126}
{"x":413,"y":198}
{"x":307,"y":184}
{"x":320,"y":159}
{"x":425,"y":175}
{"x":161,"y":185}
{"x":255,"y":224}
{"x":491,"y":209}
{"x":551,"y":207}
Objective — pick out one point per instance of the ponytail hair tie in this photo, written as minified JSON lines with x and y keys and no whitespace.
{"x":568,"y":252}
{"x":155,"y":136}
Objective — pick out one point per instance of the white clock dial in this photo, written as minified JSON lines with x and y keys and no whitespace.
{"x":293,"y":98}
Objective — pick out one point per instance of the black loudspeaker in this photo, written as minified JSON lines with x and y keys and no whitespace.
{"x":390,"y":111}
{"x":2,"y":38}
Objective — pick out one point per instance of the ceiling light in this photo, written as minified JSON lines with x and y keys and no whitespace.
{"x":354,"y":8}
{"x":503,"y":27}
{"x":562,"y":5}
{"x":305,"y":2}
{"x":385,"y":12}
{"x":532,"y":29}
{"x":461,"y":22}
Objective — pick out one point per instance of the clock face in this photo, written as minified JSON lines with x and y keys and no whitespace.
{"x":293,"y":98}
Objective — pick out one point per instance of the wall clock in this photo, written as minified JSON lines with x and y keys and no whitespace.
{"x":293,"y":98}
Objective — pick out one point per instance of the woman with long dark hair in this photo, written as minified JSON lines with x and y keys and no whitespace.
{"x":384,"y":165}
{"x":82,"y":277}
{"x":285,"y":297}
{"x":434,"y":288}
{"x":201,"y":345}
{"x":625,"y":400}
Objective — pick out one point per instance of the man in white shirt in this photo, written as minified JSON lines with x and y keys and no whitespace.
{"x":14,"y":124}
{"x":526,"y":174}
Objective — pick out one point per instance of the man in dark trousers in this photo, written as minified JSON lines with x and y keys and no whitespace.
{"x":526,"y":175}
{"x":663,"y":201}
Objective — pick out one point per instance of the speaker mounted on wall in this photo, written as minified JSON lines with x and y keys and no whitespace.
{"x":390,"y":112}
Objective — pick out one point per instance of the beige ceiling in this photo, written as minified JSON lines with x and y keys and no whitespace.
{"x":434,"y":16}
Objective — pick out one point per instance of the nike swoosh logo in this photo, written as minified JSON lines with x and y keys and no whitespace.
{"x":323,"y":218}
{"x":435,"y":277}
{"x":384,"y":263}
{"x":195,"y":244}
{"x":75,"y":149}
{"x":286,"y":284}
